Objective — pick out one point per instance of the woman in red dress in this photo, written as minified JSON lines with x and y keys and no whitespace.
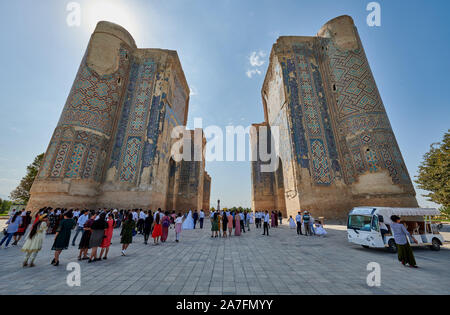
{"x":157,"y":230}
{"x":106,"y":243}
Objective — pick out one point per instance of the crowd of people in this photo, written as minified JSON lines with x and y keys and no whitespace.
{"x":306,"y":224}
{"x":92,"y":230}
{"x":224,"y":222}
{"x":95,"y":229}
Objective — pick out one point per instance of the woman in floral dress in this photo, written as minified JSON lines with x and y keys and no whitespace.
{"x":33,"y":244}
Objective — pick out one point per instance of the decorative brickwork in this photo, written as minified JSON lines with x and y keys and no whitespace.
{"x":111,"y":147}
{"x":337,"y":148}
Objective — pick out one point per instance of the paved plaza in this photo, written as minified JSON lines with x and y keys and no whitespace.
{"x":283,"y":263}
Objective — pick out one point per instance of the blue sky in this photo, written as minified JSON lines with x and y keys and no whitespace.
{"x":40,"y":55}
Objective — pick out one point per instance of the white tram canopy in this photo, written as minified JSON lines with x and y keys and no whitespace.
{"x":388,"y":212}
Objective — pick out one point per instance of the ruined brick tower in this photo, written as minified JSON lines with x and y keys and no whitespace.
{"x":337,"y":147}
{"x":112,"y":145}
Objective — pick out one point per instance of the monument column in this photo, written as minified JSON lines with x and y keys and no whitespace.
{"x":74,"y":163}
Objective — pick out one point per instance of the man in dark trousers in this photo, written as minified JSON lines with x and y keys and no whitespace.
{"x":306,"y":219}
{"x":201,"y":218}
{"x":195,"y":217}
{"x":266,"y":219}
{"x":298,"y":219}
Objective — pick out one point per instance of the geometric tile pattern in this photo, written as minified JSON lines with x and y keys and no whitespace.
{"x":366,"y":139}
{"x":90,"y":162}
{"x":320,"y":164}
{"x":372,"y":160}
{"x":92,"y":104}
{"x":60,"y":159}
{"x":130,"y":159}
{"x":73,"y":155}
{"x":94,"y":99}
{"x":354,"y":82}
{"x":310,"y":118}
{"x":76,"y":159}
{"x":157,"y":114}
{"x":124,"y":116}
{"x":299,"y":141}
{"x":143,"y":94}
{"x":134,"y":118}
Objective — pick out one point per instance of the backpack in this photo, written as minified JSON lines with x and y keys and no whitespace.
{"x":306,"y":218}
{"x":166,"y":222}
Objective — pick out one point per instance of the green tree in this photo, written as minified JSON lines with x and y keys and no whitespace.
{"x":434,"y":172}
{"x":5,"y":205}
{"x":445,"y":211}
{"x":22,"y":192}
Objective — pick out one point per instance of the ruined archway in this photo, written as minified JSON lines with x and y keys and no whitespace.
{"x":280,"y":201}
{"x":170,"y":199}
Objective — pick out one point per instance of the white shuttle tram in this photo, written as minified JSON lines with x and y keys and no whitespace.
{"x":364,"y":223}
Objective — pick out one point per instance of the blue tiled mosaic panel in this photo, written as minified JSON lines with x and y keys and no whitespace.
{"x":58,"y":166}
{"x":76,"y":159}
{"x":310,"y":117}
{"x":131,"y":159}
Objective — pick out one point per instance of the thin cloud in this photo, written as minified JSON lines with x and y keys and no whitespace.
{"x":251,"y":72}
{"x":256,"y":59}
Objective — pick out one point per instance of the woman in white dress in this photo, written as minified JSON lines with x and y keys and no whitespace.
{"x":188,"y":224}
{"x":34,"y":241}
{"x":292,"y":224}
{"x":319,"y":230}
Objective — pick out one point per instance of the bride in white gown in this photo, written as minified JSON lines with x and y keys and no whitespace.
{"x":188,"y":224}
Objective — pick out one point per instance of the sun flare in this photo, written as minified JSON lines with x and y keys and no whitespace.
{"x":115,"y":11}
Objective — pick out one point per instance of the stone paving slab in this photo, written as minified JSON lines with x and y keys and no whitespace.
{"x":282,"y":263}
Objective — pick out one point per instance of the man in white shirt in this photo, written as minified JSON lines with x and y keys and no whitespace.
{"x":156,"y":213}
{"x":80,"y":225}
{"x":298,"y":219}
{"x":141,"y":221}
{"x":249,"y":219}
{"x":135,"y":216}
{"x":383,"y":229}
{"x":266,"y":223}
{"x":201,"y":218}
{"x":241,"y":214}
